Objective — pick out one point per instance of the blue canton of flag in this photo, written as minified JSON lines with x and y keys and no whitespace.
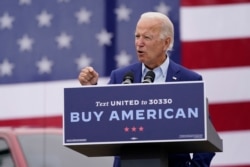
{"x":53,"y":39}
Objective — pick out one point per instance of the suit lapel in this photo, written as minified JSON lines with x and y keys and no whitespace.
{"x":172,"y":73}
{"x":136,"y":69}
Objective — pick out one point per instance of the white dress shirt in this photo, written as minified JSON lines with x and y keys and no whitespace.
{"x":160,"y":72}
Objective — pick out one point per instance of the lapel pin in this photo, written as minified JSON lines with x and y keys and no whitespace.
{"x":174,"y":78}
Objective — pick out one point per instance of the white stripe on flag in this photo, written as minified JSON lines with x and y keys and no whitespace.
{"x":212,"y":21}
{"x":236,"y":149}
{"x":224,"y":85}
{"x":46,"y":98}
{"x":35,"y":99}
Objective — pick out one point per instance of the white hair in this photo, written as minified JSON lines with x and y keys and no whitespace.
{"x":167,"y":29}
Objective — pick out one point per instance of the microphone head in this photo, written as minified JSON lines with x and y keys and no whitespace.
{"x":149,"y":77}
{"x":128,"y":78}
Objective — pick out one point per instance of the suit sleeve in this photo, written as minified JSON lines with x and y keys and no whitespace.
{"x":112,"y":78}
{"x":115,"y":77}
{"x":202,"y":159}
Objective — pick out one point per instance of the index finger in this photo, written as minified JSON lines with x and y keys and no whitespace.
{"x":90,"y":69}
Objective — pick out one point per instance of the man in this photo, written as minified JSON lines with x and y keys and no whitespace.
{"x":154,"y":36}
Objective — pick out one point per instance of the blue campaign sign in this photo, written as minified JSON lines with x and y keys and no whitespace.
{"x":135,"y":113}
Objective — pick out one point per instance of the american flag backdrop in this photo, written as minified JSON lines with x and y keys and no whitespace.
{"x":44,"y":44}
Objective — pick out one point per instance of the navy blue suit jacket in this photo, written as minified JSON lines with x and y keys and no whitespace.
{"x":175,"y":72}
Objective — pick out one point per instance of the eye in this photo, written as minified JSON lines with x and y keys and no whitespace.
{"x":147,"y":37}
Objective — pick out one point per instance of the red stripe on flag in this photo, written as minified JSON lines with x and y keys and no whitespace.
{"x":210,"y":2}
{"x":225,"y":117}
{"x":214,"y":54}
{"x":230,"y":116}
{"x":52,"y":121}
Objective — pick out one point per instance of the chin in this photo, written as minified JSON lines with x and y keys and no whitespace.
{"x":141,"y":58}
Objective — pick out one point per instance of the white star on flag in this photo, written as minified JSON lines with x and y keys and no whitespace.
{"x":6,"y":68}
{"x":44,"y":65}
{"x":104,"y":37}
{"x":24,"y":2}
{"x":83,"y":16}
{"x":63,"y":40}
{"x":6,"y":21}
{"x":44,"y":19}
{"x":123,"y":13}
{"x":163,"y":8}
{"x":83,"y":61}
{"x":123,"y":59}
{"x":25,"y":43}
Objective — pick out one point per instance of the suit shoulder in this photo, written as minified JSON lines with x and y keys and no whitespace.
{"x":130,"y":67}
{"x":117,"y":75}
{"x":185,"y":74}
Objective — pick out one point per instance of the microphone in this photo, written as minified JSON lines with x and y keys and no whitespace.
{"x":149,"y":77}
{"x":128,"y":78}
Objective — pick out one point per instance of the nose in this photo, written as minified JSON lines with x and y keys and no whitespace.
{"x":139,"y":42}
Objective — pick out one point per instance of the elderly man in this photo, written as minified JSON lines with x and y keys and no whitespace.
{"x":154,"y":36}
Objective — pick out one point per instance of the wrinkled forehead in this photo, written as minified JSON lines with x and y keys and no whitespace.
{"x":148,"y":25}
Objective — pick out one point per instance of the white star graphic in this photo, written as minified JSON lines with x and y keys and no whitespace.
{"x":44,"y":65}
{"x":83,"y":61}
{"x":24,"y":2}
{"x":63,"y":40}
{"x":6,"y":68}
{"x":163,"y":8}
{"x":123,"y":59}
{"x":83,"y":16}
{"x":123,"y":13}
{"x":25,"y":43}
{"x":6,"y":21}
{"x":104,"y":37}
{"x":44,"y":19}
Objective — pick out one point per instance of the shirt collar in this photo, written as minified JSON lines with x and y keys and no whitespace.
{"x":163,"y":68}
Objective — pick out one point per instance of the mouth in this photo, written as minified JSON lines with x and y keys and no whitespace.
{"x":140,"y":52}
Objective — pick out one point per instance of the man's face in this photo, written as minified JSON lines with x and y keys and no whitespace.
{"x":150,"y":48}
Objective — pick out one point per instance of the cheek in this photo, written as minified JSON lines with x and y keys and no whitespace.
{"x":153,"y":48}
{"x":158,"y":47}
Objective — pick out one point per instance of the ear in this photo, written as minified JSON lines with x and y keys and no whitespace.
{"x":167,"y":43}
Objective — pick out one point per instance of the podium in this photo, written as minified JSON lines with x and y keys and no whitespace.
{"x":141,"y":123}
